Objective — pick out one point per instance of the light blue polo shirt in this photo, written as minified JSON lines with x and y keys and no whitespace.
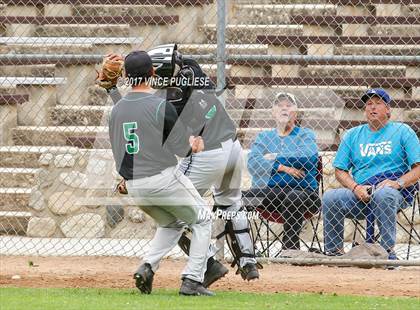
{"x":393,"y":149}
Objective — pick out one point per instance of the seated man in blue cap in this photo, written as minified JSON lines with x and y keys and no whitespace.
{"x":378,"y":165}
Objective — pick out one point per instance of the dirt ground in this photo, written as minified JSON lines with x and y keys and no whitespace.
{"x":116,"y":272}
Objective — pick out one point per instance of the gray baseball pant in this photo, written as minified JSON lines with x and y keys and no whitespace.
{"x":208,"y":170}
{"x":172,"y":201}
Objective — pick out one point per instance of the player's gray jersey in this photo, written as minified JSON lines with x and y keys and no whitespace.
{"x":202,"y":110}
{"x":207,"y":117}
{"x":145,"y":135}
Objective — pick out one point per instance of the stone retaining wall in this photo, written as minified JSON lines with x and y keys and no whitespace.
{"x":63,"y":200}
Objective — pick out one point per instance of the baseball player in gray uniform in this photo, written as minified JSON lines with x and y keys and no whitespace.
{"x":218,"y":167}
{"x":145,"y":137}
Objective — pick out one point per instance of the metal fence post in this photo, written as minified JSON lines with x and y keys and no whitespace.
{"x":221,"y":63}
{"x":221,"y":46}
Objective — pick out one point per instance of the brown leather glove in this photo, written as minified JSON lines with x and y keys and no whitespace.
{"x":111,"y":69}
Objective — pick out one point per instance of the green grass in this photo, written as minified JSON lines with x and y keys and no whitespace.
{"x":28,"y":298}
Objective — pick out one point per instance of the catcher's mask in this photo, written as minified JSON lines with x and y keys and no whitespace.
{"x":166,"y":59}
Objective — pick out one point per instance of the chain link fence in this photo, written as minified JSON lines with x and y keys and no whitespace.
{"x":295,"y":73}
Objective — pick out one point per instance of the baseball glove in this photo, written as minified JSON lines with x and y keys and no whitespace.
{"x":111,"y":70}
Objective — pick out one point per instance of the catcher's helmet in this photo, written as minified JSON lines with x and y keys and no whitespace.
{"x":165,"y":59}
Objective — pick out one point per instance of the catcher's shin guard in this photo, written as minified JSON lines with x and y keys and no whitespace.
{"x":239,"y":237}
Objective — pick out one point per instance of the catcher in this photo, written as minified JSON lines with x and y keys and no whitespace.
{"x":219,"y":166}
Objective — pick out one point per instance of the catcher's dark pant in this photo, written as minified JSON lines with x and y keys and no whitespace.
{"x":292,"y":204}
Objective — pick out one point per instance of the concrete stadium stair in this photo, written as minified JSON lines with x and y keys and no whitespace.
{"x":17,"y":177}
{"x":121,"y":10}
{"x":411,"y":10}
{"x":67,"y":45}
{"x":352,"y":71}
{"x":14,"y":222}
{"x":20,"y":156}
{"x":44,"y":70}
{"x":243,"y":117}
{"x":211,"y":48}
{"x":247,"y":34}
{"x":413,"y":114}
{"x":268,"y":14}
{"x":63,"y":115}
{"x":382,"y":50}
{"x":60,"y":135}
{"x":97,"y":137}
{"x":98,"y":115}
{"x":26,"y":156}
{"x":394,"y":30}
{"x":82,"y":31}
{"x":14,"y":198}
{"x":273,"y":2}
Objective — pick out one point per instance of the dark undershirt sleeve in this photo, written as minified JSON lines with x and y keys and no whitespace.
{"x":175,"y":134}
{"x":115,"y":95}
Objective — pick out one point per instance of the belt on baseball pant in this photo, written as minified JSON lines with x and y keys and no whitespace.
{"x":218,"y":145}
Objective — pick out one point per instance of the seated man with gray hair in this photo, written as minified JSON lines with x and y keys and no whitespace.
{"x":283,"y":163}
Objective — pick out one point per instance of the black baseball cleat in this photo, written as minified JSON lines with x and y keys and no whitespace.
{"x":193,"y":288}
{"x":215,"y":271}
{"x":249,"y":272}
{"x":144,"y":278}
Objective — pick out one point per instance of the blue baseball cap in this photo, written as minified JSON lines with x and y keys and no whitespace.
{"x":378,"y":92}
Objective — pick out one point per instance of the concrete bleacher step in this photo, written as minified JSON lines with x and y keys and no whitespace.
{"x":411,"y":10}
{"x":381,"y":50}
{"x":14,"y":198}
{"x":26,"y":156}
{"x":17,"y":177}
{"x":394,"y":30}
{"x":14,"y":222}
{"x":300,"y":41}
{"x":335,"y":91}
{"x":19,"y":156}
{"x":385,"y":82}
{"x":62,"y":136}
{"x":13,"y":81}
{"x":247,"y":34}
{"x":89,"y":137}
{"x":69,"y":115}
{"x":314,"y":99}
{"x":267,"y":14}
{"x":351,"y":71}
{"x":245,"y":2}
{"x":98,"y":115}
{"x":412,"y":114}
{"x":67,"y":45}
{"x":121,"y":10}
{"x":266,"y":114}
{"x":44,"y":70}
{"x":82,"y":31}
{"x":237,"y":49}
